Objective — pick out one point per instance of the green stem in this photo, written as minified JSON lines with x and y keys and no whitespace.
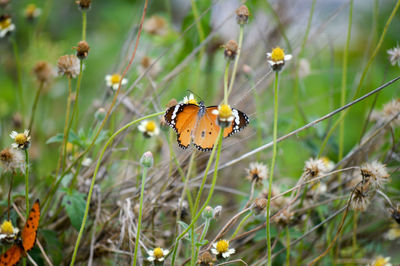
{"x":364,"y":74}
{"x":34,"y":106}
{"x":233,"y":76}
{"x":226,"y":75}
{"x":217,"y":146}
{"x":303,"y":45}
{"x":83,"y":25}
{"x":63,"y":154}
{"x":140,"y":216}
{"x":275,"y":133}
{"x":241,"y":224}
{"x":287,"y":246}
{"x":95,"y":175}
{"x":19,"y":76}
{"x":203,"y":235}
{"x":27,"y":182}
{"x":344,"y":81}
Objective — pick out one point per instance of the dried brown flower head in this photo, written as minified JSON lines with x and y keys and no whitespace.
{"x":155,"y":25}
{"x":149,"y":66}
{"x":314,"y":167}
{"x":259,"y":205}
{"x":84,"y":5}
{"x":82,"y":50}
{"x":69,"y":66}
{"x":284,"y":218}
{"x":3,"y":3}
{"x":374,"y":173}
{"x":242,"y":15}
{"x":396,"y":214}
{"x":257,"y":172}
{"x":205,"y":259}
{"x":359,"y":200}
{"x":12,"y":160}
{"x":43,"y":72}
{"x":231,"y":49}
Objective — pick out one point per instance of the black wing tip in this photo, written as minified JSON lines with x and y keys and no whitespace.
{"x":202,"y":149}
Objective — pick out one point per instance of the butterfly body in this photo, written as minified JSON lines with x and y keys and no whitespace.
{"x":198,"y":124}
{"x":26,"y":239}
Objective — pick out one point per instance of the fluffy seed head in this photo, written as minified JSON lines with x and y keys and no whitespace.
{"x":359,"y":201}
{"x":205,"y":259}
{"x":43,"y":71}
{"x":257,"y":172}
{"x":374,"y":173}
{"x":259,"y":205}
{"x":69,"y":66}
{"x":12,"y":160}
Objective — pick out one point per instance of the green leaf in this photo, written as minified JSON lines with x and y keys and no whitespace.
{"x":75,"y":204}
{"x":202,"y":243}
{"x":57,"y":138}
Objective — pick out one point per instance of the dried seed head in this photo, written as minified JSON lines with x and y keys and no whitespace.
{"x":82,"y":50}
{"x":69,"y":66}
{"x":149,"y":66}
{"x":242,"y":15}
{"x":314,"y":167}
{"x":155,"y":25}
{"x":374,"y":173}
{"x":84,"y":5}
{"x":396,"y":214}
{"x":205,"y":259}
{"x":43,"y":72}
{"x":259,"y":205}
{"x":284,"y":218}
{"x":359,"y":200}
{"x":257,"y":172}
{"x":12,"y":160}
{"x":4,"y":3}
{"x":231,"y":49}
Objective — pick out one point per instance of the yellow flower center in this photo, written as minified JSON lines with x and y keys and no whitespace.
{"x":277,"y":54}
{"x":193,"y":101}
{"x":30,"y":9}
{"x":151,"y":126}
{"x":224,"y":111}
{"x":7,"y":228}
{"x":380,"y":261}
{"x":4,"y":24}
{"x":222,"y":246}
{"x":158,"y":253}
{"x":115,"y":78}
{"x":21,"y":139}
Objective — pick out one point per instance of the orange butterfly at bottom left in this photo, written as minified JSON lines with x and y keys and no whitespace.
{"x":25,"y":241}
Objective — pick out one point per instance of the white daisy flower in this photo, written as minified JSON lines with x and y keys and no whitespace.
{"x":190,"y":99}
{"x":157,"y":254}
{"x":394,"y":55}
{"x":7,"y":232}
{"x":221,"y":249}
{"x":21,"y":140}
{"x":113,"y":81}
{"x":149,"y":128}
{"x":277,"y":58}
{"x":381,"y":261}
{"x":6,"y":25}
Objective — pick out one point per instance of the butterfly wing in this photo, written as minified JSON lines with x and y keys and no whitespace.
{"x":206,"y":130}
{"x":29,"y":232}
{"x":240,"y":121}
{"x":182,"y":118}
{"x":11,"y":256}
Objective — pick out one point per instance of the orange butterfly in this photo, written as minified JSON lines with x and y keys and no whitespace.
{"x":25,"y":241}
{"x":198,"y":124}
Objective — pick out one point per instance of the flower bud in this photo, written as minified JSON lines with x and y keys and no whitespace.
{"x":242,"y":15}
{"x":147,"y":159}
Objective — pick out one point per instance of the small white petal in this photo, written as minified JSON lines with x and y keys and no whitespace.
{"x":226,"y":254}
{"x":214,"y":251}
{"x":215,"y":112}
{"x":269,"y":54}
{"x":150,"y":258}
{"x":288,"y":57}
{"x":215,"y":245}
{"x":232,"y":251}
{"x":124,"y":81}
{"x":26,"y":132}
{"x":14,"y":145}
{"x":108,"y":78}
{"x":160,"y":259}
{"x":115,"y":86}
{"x":165,"y":252}
{"x":13,"y":134}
